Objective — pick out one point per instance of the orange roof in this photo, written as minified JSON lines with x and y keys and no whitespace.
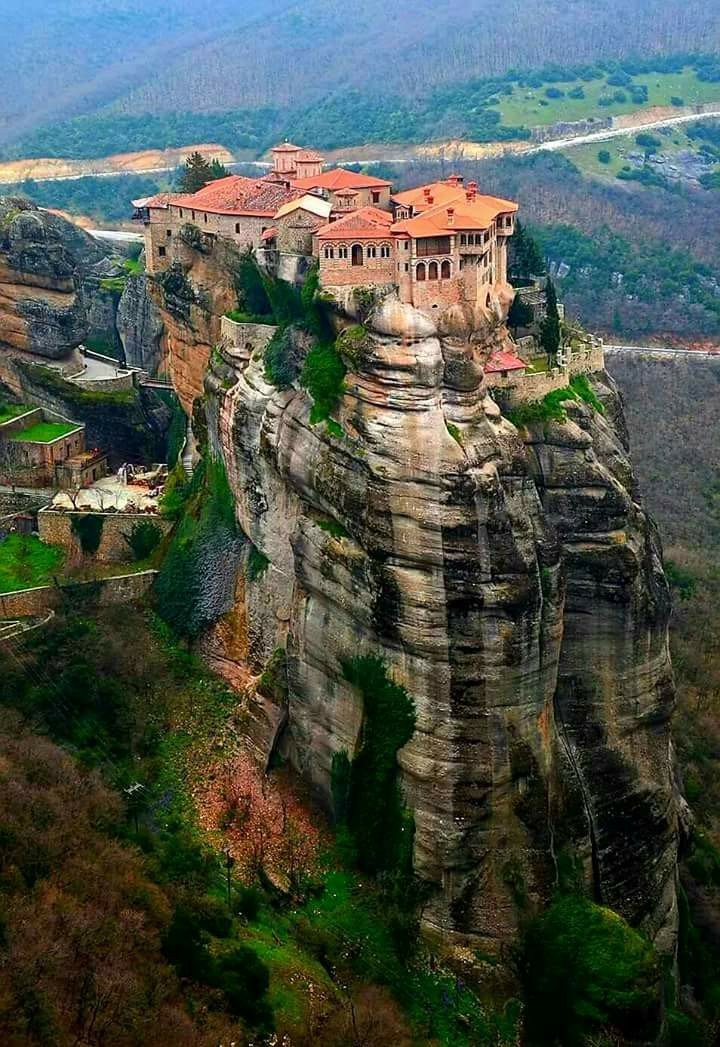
{"x":367,"y":223}
{"x":285,"y":147}
{"x":269,"y":234}
{"x":454,"y":214}
{"x":238,"y":195}
{"x":502,"y":360}
{"x":339,"y":178}
{"x":159,"y":200}
{"x":472,"y":210}
{"x":308,"y":155}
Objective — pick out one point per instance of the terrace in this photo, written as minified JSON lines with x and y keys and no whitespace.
{"x":45,"y":432}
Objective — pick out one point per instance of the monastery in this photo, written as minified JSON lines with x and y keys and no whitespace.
{"x":438,"y":244}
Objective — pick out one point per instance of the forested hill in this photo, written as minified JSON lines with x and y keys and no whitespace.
{"x":155,"y":56}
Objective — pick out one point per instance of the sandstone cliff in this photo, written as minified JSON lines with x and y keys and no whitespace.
{"x":44,"y":264}
{"x":509,"y":580}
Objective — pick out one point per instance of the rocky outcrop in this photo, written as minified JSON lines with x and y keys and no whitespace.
{"x":44,"y":261}
{"x":510,"y":582}
{"x":140,"y":325}
{"x":190,"y":297}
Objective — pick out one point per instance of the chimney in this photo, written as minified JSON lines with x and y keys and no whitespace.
{"x":451,"y":216}
{"x":430,"y":198}
{"x":471,"y":191}
{"x":454,"y":179}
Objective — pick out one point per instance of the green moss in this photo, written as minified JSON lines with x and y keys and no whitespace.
{"x":549,"y":409}
{"x":323,"y":375}
{"x":381,"y":828}
{"x":354,"y":346}
{"x":89,"y":528}
{"x":333,"y":527}
{"x":175,"y":492}
{"x":25,"y":562}
{"x":580,"y":384}
{"x":586,"y":970}
{"x":273,"y":681}
{"x":257,"y":564}
{"x":365,"y":299}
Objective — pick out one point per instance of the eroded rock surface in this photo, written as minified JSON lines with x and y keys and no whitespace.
{"x":512,"y":585}
{"x":44,"y":263}
{"x":140,"y":325}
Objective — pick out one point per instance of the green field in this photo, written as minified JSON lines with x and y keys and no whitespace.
{"x":25,"y":562}
{"x":8,"y":411}
{"x":530,"y":106}
{"x":44,"y":432}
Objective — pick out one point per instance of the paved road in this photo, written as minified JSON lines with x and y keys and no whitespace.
{"x":618,"y":132}
{"x":656,"y":350}
{"x":117,"y":235}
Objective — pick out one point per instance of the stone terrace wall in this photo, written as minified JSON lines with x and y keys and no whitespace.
{"x":246,"y":337}
{"x":534,"y":386}
{"x":57,"y":529}
{"x":123,"y":588}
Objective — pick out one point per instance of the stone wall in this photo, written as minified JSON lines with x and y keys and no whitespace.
{"x":56,"y":528}
{"x":245,"y":337}
{"x":535,"y":385}
{"x":123,"y":588}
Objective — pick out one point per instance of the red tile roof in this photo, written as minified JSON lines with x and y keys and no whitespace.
{"x":340,"y":178}
{"x":308,"y":155}
{"x":236,"y":195}
{"x":502,"y":360}
{"x":269,"y":234}
{"x":471,"y":210}
{"x":285,"y":147}
{"x":367,"y":223}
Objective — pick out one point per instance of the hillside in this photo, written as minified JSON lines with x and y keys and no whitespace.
{"x":140,"y":57}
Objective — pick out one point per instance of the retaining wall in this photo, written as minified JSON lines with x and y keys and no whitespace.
{"x":56,"y":528}
{"x":123,"y":588}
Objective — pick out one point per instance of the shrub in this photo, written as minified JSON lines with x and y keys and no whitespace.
{"x":549,"y":409}
{"x":604,"y":156}
{"x":323,"y":376}
{"x":280,"y":370}
{"x":585,"y":971}
{"x":580,"y":385}
{"x":648,"y":141}
{"x":454,"y":432}
{"x":250,"y":288}
{"x":554,"y":92}
{"x":144,"y":538}
{"x":175,"y":492}
{"x":677,"y":101}
{"x":577,"y":92}
{"x":333,"y":527}
{"x":88,"y":527}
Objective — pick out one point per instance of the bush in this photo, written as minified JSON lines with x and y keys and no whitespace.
{"x":549,"y":409}
{"x":680,"y":580}
{"x":88,"y":527}
{"x":577,"y":92}
{"x":587,"y":971}
{"x":648,"y":141}
{"x":580,"y":385}
{"x":677,"y":101}
{"x":175,"y":492}
{"x":604,"y":156}
{"x":257,"y":564}
{"x":243,"y":979}
{"x":143,"y":539}
{"x":280,"y":369}
{"x":323,"y":375}
{"x":554,"y":92}
{"x":250,"y":288}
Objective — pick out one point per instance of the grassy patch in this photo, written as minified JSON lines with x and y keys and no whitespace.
{"x":333,"y":527}
{"x":44,"y":432}
{"x":580,"y":385}
{"x":549,"y":409}
{"x":25,"y":562}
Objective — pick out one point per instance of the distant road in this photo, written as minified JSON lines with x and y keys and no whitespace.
{"x":618,"y":132}
{"x":655,"y":350}
{"x":116,"y":234}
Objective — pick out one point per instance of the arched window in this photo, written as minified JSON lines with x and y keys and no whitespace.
{"x":357,"y":254}
{"x":432,"y":271}
{"x":329,"y":253}
{"x":463,"y":239}
{"x":385,"y":250}
{"x":445,"y":270}
{"x":420,"y":271}
{"x":342,"y":251}
{"x":371,"y":251}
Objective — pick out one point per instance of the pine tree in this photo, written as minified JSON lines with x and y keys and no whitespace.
{"x":525,"y":258}
{"x":520,"y":315}
{"x":198,"y":171}
{"x":550,"y":327}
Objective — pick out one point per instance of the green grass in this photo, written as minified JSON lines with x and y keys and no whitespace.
{"x":8,"y":411}
{"x":25,"y":562}
{"x":44,"y":432}
{"x":523,"y":106}
{"x":585,"y":157}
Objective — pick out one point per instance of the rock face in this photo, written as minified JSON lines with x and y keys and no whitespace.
{"x":43,"y":263}
{"x":140,"y":325}
{"x":510,"y":582}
